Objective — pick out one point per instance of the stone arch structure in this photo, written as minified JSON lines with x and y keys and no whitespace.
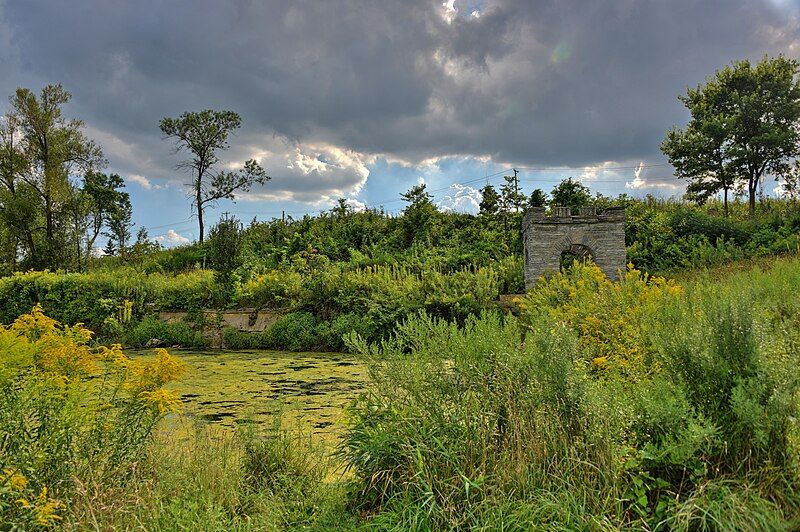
{"x":545,"y":238}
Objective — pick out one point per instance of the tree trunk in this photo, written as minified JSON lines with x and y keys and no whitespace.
{"x":200,"y":219}
{"x":725,"y":200}
{"x":751,"y":189}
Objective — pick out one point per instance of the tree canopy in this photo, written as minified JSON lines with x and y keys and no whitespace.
{"x":745,"y":124}
{"x":204,"y":134}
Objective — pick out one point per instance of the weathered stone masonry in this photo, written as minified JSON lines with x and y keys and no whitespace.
{"x":545,"y":238}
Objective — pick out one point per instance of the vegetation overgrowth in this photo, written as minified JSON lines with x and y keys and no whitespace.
{"x":365,"y":271}
{"x":605,"y":405}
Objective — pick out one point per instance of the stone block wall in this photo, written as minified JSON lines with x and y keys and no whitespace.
{"x":545,"y":238}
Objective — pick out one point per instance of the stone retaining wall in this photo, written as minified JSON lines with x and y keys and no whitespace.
{"x":248,"y":320}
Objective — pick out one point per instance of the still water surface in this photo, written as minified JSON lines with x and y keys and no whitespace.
{"x":308,"y":391}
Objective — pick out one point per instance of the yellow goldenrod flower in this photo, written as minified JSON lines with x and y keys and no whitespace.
{"x":162,"y":401}
{"x":14,"y":479}
{"x":43,"y":508}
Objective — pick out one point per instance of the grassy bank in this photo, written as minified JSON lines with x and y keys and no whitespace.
{"x":639,"y":404}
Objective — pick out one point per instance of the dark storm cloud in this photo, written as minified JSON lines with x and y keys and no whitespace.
{"x":546,"y":82}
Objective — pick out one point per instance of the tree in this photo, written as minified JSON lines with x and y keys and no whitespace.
{"x":791,"y":182}
{"x":204,"y":134}
{"x":745,"y":125}
{"x":224,"y":246}
{"x":418,"y":216}
{"x":538,"y":198}
{"x":417,"y":197}
{"x":490,"y":201}
{"x":17,"y":212}
{"x":119,"y":221}
{"x":109,"y":249}
{"x":511,"y":199}
{"x":54,"y":149}
{"x":570,"y":193}
{"x":342,"y":208}
{"x":109,"y":208}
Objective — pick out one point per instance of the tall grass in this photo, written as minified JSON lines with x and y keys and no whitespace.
{"x":507,"y":423}
{"x":604,"y":406}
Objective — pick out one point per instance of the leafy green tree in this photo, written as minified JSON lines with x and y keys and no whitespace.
{"x":538,"y":198}
{"x":109,"y":249}
{"x":419,"y":216}
{"x":52,"y":149}
{"x":490,"y":201}
{"x":108,"y":208}
{"x":17,"y":211}
{"x":570,"y":193}
{"x":791,"y":181}
{"x":119,"y":221}
{"x":511,"y":198}
{"x":745,"y":125}
{"x":341,"y":208}
{"x":204,"y":134}
{"x":224,"y":247}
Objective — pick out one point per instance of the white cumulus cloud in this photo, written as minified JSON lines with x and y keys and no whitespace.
{"x":460,"y":198}
{"x":314,"y":173}
{"x":143,"y":182}
{"x":171,"y":238}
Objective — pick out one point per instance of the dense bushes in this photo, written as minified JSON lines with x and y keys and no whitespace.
{"x":93,"y":299}
{"x":70,"y":416}
{"x":608,"y":405}
{"x":170,"y":334}
{"x":374,"y":269}
{"x":301,"y":331}
{"x":631,"y":405}
{"x":667,"y":236}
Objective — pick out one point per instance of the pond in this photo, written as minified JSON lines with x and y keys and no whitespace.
{"x":307,"y":391}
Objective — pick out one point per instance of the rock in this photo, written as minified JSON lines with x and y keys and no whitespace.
{"x":153,"y":342}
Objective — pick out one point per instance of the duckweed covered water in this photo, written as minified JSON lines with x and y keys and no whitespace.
{"x":308,"y":391}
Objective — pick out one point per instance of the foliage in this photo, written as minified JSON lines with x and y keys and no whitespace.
{"x":44,"y":213}
{"x":744,"y":126}
{"x":70,"y":412}
{"x":91,"y":298}
{"x":570,"y":193}
{"x":203,"y":134}
{"x":172,"y":334}
{"x":683,"y":421}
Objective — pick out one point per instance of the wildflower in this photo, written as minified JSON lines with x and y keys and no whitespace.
{"x":14,"y":479}
{"x":112,"y":354}
{"x":162,"y":401}
{"x":43,"y":508}
{"x":147,"y":377}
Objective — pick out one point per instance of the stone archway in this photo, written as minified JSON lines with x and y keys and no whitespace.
{"x":545,"y":238}
{"x":579,"y":252}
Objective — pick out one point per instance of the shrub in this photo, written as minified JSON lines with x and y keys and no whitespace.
{"x":233,"y":338}
{"x":459,"y":417}
{"x":295,"y":331}
{"x":178,"y":333}
{"x":331,"y":334}
{"x":271,"y":290}
{"x":636,"y":404}
{"x":281,"y":461}
{"x":70,"y":414}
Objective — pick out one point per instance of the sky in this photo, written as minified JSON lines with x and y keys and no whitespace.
{"x":362,"y":99}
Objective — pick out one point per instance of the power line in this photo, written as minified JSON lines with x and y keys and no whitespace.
{"x":599,"y":168}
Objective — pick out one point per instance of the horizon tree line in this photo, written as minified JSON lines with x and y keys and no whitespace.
{"x":55,"y":200}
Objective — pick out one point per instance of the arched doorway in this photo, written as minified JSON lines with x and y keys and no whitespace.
{"x":576,"y":252}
